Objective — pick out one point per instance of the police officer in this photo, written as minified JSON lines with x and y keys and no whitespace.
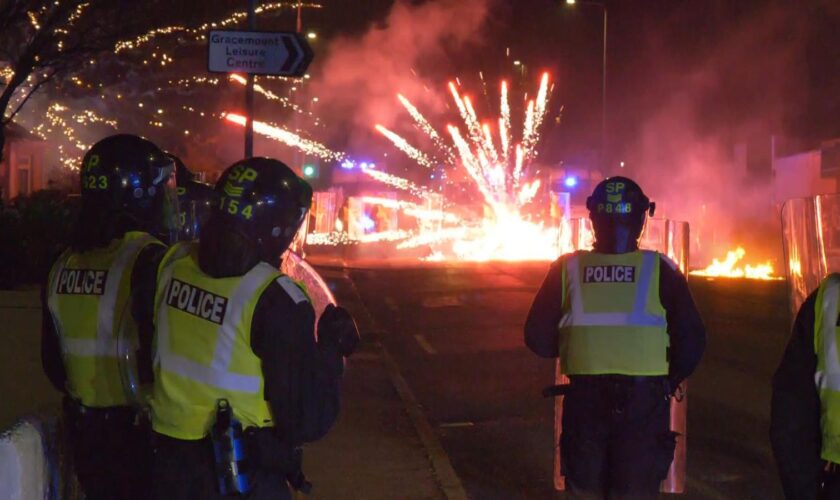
{"x":627,"y":332}
{"x":104,"y":281}
{"x":195,"y":201}
{"x":233,"y":332}
{"x":805,"y":408}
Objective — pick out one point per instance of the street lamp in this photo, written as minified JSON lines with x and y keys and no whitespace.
{"x":603,"y":6}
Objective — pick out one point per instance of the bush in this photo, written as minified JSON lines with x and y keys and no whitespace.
{"x":32,"y":233}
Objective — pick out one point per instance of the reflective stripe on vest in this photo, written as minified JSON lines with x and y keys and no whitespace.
{"x":829,"y":376}
{"x":217,"y":374}
{"x":105,"y":344}
{"x":638,"y":317}
{"x":613,"y":321}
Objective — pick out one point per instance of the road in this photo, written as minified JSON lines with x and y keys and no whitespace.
{"x":455,"y":333}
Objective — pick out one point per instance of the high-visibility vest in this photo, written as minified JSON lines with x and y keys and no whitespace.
{"x":89,"y":299}
{"x":203,"y":345}
{"x":827,"y":377}
{"x":613,"y":321}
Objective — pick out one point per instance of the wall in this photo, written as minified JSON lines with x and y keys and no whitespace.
{"x":798,"y":176}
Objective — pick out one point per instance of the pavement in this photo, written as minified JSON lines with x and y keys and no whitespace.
{"x":442,"y":399}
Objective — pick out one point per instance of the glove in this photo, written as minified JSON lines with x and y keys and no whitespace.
{"x":338,"y":330}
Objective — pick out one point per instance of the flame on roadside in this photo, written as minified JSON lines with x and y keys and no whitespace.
{"x":732,"y":267}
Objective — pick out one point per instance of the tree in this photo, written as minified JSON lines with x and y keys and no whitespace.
{"x":41,"y":40}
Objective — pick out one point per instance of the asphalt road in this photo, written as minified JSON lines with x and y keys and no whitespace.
{"x":456,"y":336}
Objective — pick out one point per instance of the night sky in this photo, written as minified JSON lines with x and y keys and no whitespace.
{"x":738,"y":55}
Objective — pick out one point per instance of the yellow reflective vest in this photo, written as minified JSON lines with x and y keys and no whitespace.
{"x":89,"y":297}
{"x":827,"y":377}
{"x":613,"y":321}
{"x":203,"y":345}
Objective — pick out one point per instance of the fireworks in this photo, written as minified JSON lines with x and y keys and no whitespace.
{"x":288,"y":138}
{"x":500,"y":173}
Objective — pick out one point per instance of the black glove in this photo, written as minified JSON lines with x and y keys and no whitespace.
{"x":337,"y":329}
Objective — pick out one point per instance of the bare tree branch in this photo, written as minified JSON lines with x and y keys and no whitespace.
{"x":6,"y":121}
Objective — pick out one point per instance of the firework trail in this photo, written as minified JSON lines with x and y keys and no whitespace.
{"x":426,"y":127}
{"x":288,"y":138}
{"x":403,"y":145}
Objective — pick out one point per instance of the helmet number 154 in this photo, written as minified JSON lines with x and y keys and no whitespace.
{"x":233,"y":207}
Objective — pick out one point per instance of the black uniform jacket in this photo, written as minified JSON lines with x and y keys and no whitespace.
{"x":685,"y":327}
{"x":302,"y":378}
{"x":795,"y":410}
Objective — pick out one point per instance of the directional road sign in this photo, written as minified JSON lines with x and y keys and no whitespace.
{"x":258,"y":53}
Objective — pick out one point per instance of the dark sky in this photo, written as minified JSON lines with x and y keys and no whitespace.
{"x":748,"y":67}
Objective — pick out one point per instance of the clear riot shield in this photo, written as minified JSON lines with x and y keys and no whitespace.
{"x":811,"y":236}
{"x":127,"y":351}
{"x":672,"y":239}
{"x":128,"y":342}
{"x":298,"y":269}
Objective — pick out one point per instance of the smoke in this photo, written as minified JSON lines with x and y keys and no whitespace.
{"x":409,"y":52}
{"x":704,"y":149}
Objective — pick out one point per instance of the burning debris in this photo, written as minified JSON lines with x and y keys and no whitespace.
{"x":730,"y":268}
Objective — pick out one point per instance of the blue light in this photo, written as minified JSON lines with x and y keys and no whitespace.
{"x":347,"y":165}
{"x":363,"y":165}
{"x":367,"y":223}
{"x":571,"y":181}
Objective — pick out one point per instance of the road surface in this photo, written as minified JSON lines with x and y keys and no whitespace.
{"x":455,"y":333}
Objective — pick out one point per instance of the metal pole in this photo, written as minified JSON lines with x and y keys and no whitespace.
{"x":249,"y":89}
{"x":604,"y":99}
{"x":299,"y":20}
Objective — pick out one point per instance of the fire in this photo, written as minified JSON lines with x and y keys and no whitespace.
{"x":728,"y":268}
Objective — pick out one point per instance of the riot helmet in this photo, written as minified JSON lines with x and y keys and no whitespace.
{"x":127,"y":184}
{"x":618,"y":209}
{"x":262,"y":204}
{"x":195,"y":201}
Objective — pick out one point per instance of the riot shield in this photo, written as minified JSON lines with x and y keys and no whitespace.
{"x":672,"y":239}
{"x":128,"y":342}
{"x":811,"y":236}
{"x":298,"y":269}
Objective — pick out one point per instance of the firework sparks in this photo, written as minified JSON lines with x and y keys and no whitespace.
{"x":403,"y":145}
{"x":288,"y":138}
{"x":397,"y":182}
{"x":426,"y":127}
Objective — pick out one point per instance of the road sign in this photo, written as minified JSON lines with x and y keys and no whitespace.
{"x":258,"y":53}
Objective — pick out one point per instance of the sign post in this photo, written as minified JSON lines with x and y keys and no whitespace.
{"x":257,"y":53}
{"x":249,"y":89}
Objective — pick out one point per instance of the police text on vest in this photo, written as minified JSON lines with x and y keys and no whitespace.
{"x":609,"y":274}
{"x":81,"y":281}
{"x":193,"y":300}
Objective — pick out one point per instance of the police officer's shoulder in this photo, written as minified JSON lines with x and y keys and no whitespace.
{"x":669,"y":262}
{"x":284,"y":294}
{"x":292,"y":289}
{"x":566,"y":256}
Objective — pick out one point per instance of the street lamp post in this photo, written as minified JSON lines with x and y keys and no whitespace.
{"x":603,"y":6}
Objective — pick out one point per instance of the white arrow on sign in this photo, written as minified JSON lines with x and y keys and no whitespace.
{"x":258,"y":53}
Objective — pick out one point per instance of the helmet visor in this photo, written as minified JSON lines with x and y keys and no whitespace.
{"x":165,"y":211}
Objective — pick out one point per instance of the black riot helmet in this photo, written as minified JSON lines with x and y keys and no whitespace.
{"x":262,"y":204}
{"x":182,"y":174}
{"x":618,"y":209}
{"x":127,"y":184}
{"x":195,"y":201}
